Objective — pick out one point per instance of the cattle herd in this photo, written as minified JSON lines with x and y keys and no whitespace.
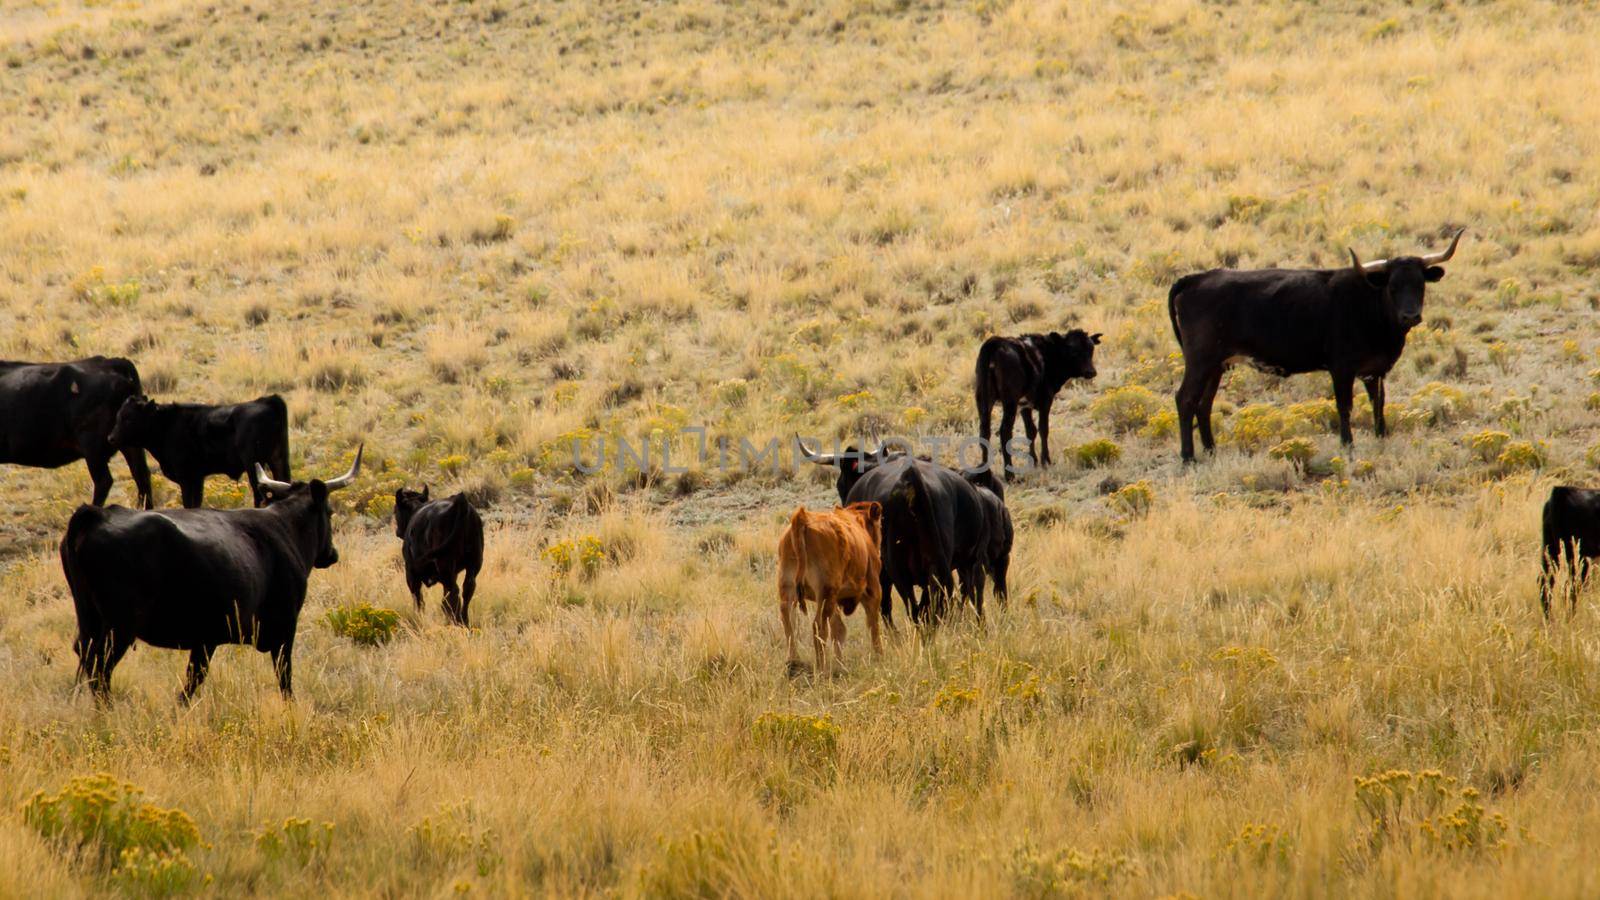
{"x":193,"y":578}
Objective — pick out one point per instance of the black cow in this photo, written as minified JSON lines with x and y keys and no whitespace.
{"x":1350,"y":323}
{"x":934,"y":524}
{"x":1571,"y":526}
{"x":995,"y":552}
{"x":52,"y":414}
{"x":439,"y":539}
{"x":1028,"y":372}
{"x":193,"y":579}
{"x":193,"y":440}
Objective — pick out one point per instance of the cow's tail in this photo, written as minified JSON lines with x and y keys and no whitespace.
{"x":1553,"y":542}
{"x":1178,"y":287}
{"x":792,"y":566}
{"x":79,"y":572}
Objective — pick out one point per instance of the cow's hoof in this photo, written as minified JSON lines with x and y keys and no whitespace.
{"x":797,"y":669}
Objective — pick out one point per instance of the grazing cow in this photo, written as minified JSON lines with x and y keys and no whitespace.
{"x":193,"y":579}
{"x":52,"y":414}
{"x":439,"y":539}
{"x":1028,"y":372}
{"x":193,"y":440}
{"x":832,"y":559}
{"x":933,"y":521}
{"x":1572,"y":526}
{"x":1351,"y":323}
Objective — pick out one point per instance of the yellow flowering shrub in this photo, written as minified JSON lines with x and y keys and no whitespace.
{"x":1517,"y":456}
{"x":1125,"y":408}
{"x":812,"y":737}
{"x":1095,"y":453}
{"x":363,"y":623}
{"x":584,"y":554}
{"x":1134,"y":499}
{"x":1065,"y":872}
{"x":295,"y":840}
{"x":108,"y":821}
{"x":1400,"y":805}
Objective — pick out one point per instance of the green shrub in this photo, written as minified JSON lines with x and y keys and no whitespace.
{"x":1098,"y":452}
{"x":813,"y":737}
{"x":1488,"y":444}
{"x":1125,"y":408}
{"x":1520,"y":455}
{"x":363,"y":623}
{"x":1438,"y":404}
{"x":295,"y":840}
{"x":1296,"y":451}
{"x":142,"y":846}
{"x":1134,"y":499}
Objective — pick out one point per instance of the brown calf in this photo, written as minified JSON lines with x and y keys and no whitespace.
{"x":832,"y":558}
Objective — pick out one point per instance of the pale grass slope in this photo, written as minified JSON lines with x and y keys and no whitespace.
{"x":463,"y":232}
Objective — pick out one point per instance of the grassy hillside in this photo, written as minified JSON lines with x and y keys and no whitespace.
{"x":468,"y":233}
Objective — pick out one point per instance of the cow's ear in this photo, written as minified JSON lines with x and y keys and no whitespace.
{"x":1094,"y":338}
{"x":424,"y":493}
{"x":874,"y":511}
{"x":1433,"y":273}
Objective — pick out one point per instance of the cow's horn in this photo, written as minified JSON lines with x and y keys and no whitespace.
{"x":1433,"y":259}
{"x":818,"y":458}
{"x":344,"y":480}
{"x":269,"y":483}
{"x":1377,"y":265}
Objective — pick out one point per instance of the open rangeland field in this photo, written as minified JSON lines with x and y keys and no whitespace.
{"x":467,"y":233}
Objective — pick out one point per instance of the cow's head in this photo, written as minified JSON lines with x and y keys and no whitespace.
{"x":305,"y":503}
{"x":1070,"y":355}
{"x":1402,"y":281}
{"x":853,"y":463}
{"x":871,"y":513}
{"x":131,"y":423}
{"x":406,"y":504}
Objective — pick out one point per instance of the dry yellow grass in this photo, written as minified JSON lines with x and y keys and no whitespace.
{"x":466,"y":232}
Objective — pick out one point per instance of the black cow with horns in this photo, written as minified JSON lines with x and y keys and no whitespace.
{"x":194,"y":579}
{"x":52,"y":414}
{"x":1350,"y":322}
{"x":935,"y":524}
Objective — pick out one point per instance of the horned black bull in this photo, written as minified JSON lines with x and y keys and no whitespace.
{"x":193,"y":579}
{"x":1351,"y":323}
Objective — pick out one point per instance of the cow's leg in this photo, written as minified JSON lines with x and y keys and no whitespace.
{"x":1044,"y":430}
{"x":105,"y":653}
{"x":469,"y":586}
{"x":1008,"y":421}
{"x":819,"y":630}
{"x":140,"y":470}
{"x":194,"y":492}
{"x":1188,"y":401}
{"x":1374,"y":386}
{"x":871,"y":603}
{"x":975,"y":573}
{"x":985,"y":417}
{"x":1032,"y":431}
{"x":788,"y":599}
{"x":453,"y":609}
{"x":100,"y":474}
{"x":885,"y":598}
{"x":837,"y":624}
{"x":1344,"y":387}
{"x":414,"y":584}
{"x":908,"y":595}
{"x":199,"y":665}
{"x":1580,"y":576}
{"x":1208,"y":397}
{"x":283,"y":664}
